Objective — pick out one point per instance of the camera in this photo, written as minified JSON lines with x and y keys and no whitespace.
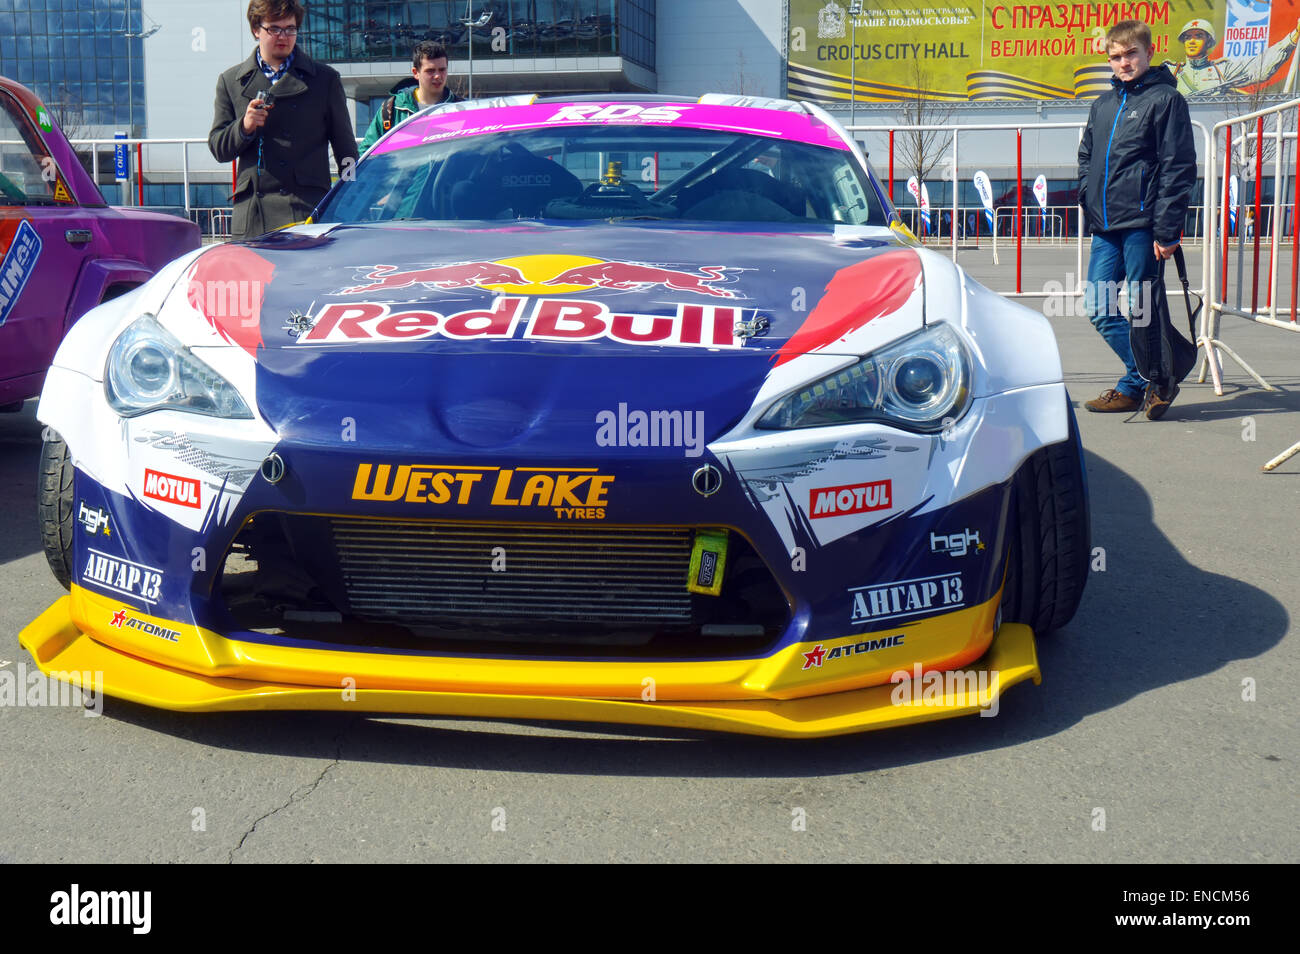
{"x":265,"y":97}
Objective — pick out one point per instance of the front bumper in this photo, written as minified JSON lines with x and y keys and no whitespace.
{"x":226,"y":675}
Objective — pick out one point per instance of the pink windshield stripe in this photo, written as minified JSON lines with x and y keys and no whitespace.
{"x":778,"y":124}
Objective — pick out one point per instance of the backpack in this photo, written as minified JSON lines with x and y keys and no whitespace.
{"x":387,"y":110}
{"x":1162,"y":355}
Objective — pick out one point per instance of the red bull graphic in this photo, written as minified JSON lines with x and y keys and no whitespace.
{"x":556,"y":320}
{"x":458,"y":275}
{"x":629,"y":275}
{"x":547,"y":275}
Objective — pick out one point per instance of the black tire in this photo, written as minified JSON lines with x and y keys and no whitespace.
{"x":55,"y":507}
{"x":1050,"y":537}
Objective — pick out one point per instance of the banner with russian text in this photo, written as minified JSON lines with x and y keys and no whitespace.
{"x":908,"y":49}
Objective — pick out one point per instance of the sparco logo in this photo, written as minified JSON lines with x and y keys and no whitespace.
{"x":852,"y":498}
{"x":177,"y":490}
{"x":925,"y":594}
{"x":521,"y":182}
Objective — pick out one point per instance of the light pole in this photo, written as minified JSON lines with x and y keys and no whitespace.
{"x":482,"y":21}
{"x":130,"y":94}
{"x":855,"y":10}
{"x":130,"y":84}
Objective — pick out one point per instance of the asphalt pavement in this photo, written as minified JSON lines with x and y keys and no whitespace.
{"x":1165,"y":728}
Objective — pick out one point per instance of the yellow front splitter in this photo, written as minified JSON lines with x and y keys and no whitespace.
{"x":60,"y":648}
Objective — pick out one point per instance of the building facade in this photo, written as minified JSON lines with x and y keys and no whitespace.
{"x":106,"y":66}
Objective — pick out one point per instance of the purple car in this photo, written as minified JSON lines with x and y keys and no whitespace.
{"x":62,"y":249}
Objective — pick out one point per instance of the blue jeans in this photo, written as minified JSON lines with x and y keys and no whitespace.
{"x":1122,"y":255}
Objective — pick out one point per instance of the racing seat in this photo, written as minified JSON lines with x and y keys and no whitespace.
{"x":513,"y":180}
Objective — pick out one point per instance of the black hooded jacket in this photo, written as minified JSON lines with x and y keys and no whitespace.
{"x":1137,"y":160}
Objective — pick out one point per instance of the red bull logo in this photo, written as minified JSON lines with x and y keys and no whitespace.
{"x":629,"y":275}
{"x":557,"y":320}
{"x":460,"y":275}
{"x":547,"y":275}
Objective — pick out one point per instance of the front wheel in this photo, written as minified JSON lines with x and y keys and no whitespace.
{"x":1050,"y":537}
{"x":54,"y":507}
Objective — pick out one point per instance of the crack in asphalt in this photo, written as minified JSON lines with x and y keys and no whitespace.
{"x":296,"y":797}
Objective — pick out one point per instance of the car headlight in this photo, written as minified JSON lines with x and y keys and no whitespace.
{"x":148,"y":369}
{"x":919,"y":383}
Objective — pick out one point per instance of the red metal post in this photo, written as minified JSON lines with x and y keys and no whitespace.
{"x":1295,"y":226}
{"x":139,"y":169}
{"x":1020,"y":198}
{"x":1259,"y":186}
{"x":891,"y":165}
{"x":1227,"y":178}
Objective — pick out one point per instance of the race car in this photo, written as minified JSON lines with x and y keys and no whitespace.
{"x":639,"y":410}
{"x":62,"y":249}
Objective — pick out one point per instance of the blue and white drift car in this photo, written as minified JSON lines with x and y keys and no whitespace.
{"x":617,"y":410}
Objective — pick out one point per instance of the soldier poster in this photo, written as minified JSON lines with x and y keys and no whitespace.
{"x":901,"y":49}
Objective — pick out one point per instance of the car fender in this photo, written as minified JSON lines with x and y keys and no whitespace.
{"x":96,"y":277}
{"x":89,"y":338}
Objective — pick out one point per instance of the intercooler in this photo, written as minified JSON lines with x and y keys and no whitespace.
{"x":425,"y":572}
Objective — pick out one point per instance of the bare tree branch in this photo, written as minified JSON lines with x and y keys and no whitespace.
{"x":920,"y":152}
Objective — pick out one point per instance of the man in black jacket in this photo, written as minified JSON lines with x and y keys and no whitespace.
{"x":282,"y":143}
{"x":1137,"y":167}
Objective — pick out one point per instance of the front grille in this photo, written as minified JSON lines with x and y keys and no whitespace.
{"x":427,"y":572}
{"x":488,"y":588}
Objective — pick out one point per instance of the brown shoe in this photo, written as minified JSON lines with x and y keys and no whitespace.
{"x":1155,"y":406}
{"x":1111,"y":402}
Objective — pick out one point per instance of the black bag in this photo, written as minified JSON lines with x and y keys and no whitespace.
{"x":1162,"y":355}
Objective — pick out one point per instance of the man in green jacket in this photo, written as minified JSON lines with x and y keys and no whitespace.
{"x":429,"y":67}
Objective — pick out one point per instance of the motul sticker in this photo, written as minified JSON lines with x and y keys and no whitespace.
{"x":182,"y":491}
{"x":851,"y":498}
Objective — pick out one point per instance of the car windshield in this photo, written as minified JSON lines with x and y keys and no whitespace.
{"x":610,"y":172}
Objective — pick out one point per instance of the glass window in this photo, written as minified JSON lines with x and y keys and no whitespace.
{"x":24,"y":163}
{"x":673,"y":173}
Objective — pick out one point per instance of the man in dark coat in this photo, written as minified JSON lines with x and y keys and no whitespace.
{"x":1137,"y":167}
{"x":281,"y":142}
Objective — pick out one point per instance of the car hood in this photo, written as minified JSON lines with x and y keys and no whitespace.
{"x":489,"y":333}
{"x":424,"y":287}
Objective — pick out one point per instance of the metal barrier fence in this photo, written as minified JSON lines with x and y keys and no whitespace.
{"x":1271,"y":226}
{"x":212,"y":221}
{"x":1018,"y":211}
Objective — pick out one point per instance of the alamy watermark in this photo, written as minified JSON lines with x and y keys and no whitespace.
{"x":75,"y":689}
{"x":1098,"y":298}
{"x":951,"y":689}
{"x":634,"y":428}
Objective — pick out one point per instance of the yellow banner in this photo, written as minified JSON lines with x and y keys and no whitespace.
{"x":904,"y":49}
